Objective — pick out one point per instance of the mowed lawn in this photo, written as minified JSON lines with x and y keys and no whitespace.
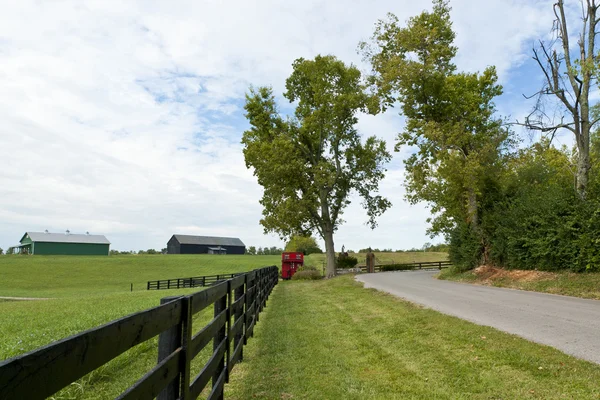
{"x":68,"y":276}
{"x":335,"y":340}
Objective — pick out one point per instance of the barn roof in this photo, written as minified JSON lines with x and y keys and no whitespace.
{"x":66,"y":238}
{"x":209,"y":240}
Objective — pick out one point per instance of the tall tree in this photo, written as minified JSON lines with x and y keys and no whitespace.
{"x":570,"y":75}
{"x":449,"y":116}
{"x":310,"y":164}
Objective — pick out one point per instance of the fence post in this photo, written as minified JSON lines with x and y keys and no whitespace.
{"x":168,"y":342}
{"x":258,"y":291}
{"x":220,"y":305}
{"x":239,"y":313}
{"x":253,"y":302}
{"x":228,"y":331}
{"x":246,"y":304}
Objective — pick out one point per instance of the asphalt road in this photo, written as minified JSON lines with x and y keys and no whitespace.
{"x":569,"y":324}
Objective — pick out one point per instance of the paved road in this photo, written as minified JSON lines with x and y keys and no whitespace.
{"x":569,"y":324}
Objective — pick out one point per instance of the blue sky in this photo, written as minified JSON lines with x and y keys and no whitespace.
{"x":125,"y":118}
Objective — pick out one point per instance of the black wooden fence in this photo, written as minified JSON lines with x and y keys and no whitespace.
{"x":411,"y":266}
{"x":237,"y":304}
{"x":195,"y":281}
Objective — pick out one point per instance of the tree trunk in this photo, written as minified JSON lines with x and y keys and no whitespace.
{"x":473,"y":220}
{"x":583,"y":169}
{"x":583,"y":152}
{"x":472,"y":213}
{"x":330,"y":252}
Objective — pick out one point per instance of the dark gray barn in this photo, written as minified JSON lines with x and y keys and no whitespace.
{"x":188,"y":244}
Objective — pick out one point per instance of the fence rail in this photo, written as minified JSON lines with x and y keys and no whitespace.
{"x":415,"y":265}
{"x":237,"y":303}
{"x":195,"y":281}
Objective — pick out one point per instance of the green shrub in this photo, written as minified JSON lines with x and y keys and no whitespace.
{"x":346,"y":262}
{"x":307,"y":274}
{"x":465,"y":250}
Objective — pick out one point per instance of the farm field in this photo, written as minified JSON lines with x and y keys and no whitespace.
{"x":88,"y":291}
{"x":335,"y":340}
{"x":317,"y":260}
{"x":68,"y":276}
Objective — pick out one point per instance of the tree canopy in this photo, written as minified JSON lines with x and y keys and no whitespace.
{"x":308,"y":164}
{"x":304,"y":244}
{"x":449,"y":116}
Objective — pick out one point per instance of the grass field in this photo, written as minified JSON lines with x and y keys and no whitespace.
{"x":68,"y":276}
{"x":585,"y":285}
{"x":316,"y":340}
{"x":335,"y":340}
{"x":318,"y":260}
{"x":88,"y":291}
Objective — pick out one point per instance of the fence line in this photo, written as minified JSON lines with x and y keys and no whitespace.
{"x":42,"y":372}
{"x":415,"y":265}
{"x":195,"y":281}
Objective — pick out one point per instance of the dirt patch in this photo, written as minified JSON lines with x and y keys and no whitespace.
{"x":488,"y":274}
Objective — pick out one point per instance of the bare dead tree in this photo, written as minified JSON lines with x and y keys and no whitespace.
{"x":569,"y":80}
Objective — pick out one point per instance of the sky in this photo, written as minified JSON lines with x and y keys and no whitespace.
{"x":125,"y":118}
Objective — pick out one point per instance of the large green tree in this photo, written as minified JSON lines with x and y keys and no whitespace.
{"x":309,"y":164}
{"x":449,"y":115}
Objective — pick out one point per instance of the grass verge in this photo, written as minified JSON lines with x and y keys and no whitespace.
{"x":584,"y":285}
{"x":335,"y":340}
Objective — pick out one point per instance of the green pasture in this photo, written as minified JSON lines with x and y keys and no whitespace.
{"x":316,"y":340}
{"x":67,"y":276}
{"x":87,"y":291}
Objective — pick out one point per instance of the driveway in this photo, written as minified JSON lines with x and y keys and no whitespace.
{"x":569,"y":324}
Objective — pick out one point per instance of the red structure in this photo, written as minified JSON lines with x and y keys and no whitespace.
{"x":290,"y":262}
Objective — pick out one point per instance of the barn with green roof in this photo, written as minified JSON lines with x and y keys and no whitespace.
{"x":63,"y":244}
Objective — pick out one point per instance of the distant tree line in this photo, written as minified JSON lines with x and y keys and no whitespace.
{"x":140,"y":252}
{"x":264,"y":251}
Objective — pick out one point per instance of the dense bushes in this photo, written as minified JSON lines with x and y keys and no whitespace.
{"x":346,"y":261}
{"x":307,"y":273}
{"x":536,"y":220}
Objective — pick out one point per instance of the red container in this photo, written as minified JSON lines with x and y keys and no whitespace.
{"x":290,"y":262}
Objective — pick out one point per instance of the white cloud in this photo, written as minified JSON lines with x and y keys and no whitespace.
{"x":124,"y":118}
